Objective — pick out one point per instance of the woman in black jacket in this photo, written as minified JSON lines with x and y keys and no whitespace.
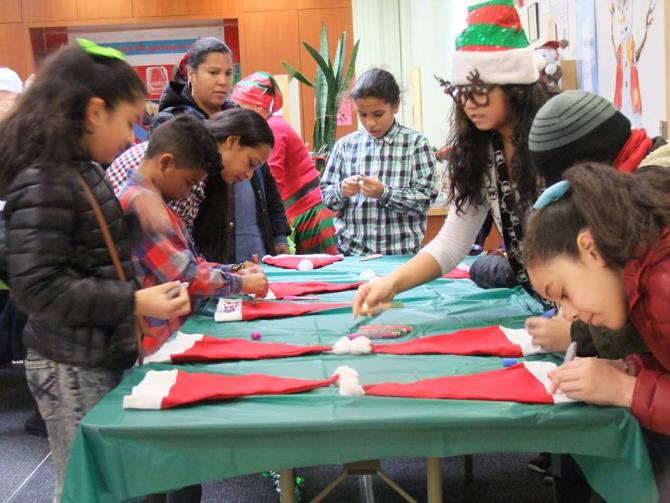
{"x":80,"y":337}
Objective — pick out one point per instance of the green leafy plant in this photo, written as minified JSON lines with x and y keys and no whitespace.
{"x":329,"y":85}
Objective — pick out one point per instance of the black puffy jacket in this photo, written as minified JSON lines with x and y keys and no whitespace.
{"x":61,"y":272}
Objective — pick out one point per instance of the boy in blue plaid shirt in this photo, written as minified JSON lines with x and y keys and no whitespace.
{"x":380,"y":180}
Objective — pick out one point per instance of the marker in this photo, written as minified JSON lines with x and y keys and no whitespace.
{"x":174,"y":292}
{"x":508,"y":362}
{"x":375,"y":335}
{"x":383,"y":328}
{"x":374,"y":256}
{"x":570,"y":353}
{"x":549,"y":314}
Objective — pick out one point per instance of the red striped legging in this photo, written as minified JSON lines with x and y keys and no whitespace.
{"x":314,"y":231}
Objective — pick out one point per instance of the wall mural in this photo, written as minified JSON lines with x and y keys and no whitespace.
{"x":628,"y":50}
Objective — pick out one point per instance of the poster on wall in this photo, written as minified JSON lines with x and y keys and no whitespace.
{"x":153,"y":53}
{"x":631,"y":55}
{"x":587,"y":54}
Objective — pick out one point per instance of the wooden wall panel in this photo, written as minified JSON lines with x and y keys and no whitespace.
{"x":154,"y":8}
{"x":267,"y":5}
{"x":49,"y":10}
{"x":14,"y":49}
{"x":10,"y":11}
{"x":323,"y":4}
{"x":337,"y":21}
{"x":99,"y":9}
{"x":267,"y":39}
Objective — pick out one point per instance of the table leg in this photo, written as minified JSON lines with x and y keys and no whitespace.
{"x":365,"y":488}
{"x":467,"y":466}
{"x":287,"y":486}
{"x":434,"y":479}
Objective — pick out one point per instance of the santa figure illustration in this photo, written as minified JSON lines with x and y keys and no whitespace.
{"x":627,"y":97}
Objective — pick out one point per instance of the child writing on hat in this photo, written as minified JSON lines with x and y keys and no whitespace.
{"x":292,"y":167}
{"x":578,"y":126}
{"x":496,"y":91}
{"x":180,"y":154}
{"x":380,"y":180}
{"x":598,"y":243}
{"x":79,"y":112}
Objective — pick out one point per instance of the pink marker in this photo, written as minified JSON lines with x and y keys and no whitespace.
{"x":377,"y":335}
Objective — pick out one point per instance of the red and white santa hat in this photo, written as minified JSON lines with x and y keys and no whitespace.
{"x":493,"y":49}
{"x":526,"y":382}
{"x":489,"y":341}
{"x":245,"y":310}
{"x":189,"y":348}
{"x":164,"y":389}
{"x":486,"y":341}
{"x":302,"y":262}
{"x":281,"y":289}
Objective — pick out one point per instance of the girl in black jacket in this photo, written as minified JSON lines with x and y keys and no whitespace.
{"x":79,"y":112}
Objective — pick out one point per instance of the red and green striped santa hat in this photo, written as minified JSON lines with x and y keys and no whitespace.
{"x":493,"y":49}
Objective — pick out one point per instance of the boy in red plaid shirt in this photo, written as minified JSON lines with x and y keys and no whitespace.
{"x":180,"y":154}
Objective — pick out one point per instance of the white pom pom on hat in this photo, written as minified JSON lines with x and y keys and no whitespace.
{"x":305,"y":265}
{"x":358,"y":346}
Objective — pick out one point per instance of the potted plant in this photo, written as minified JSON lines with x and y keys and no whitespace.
{"x":330,"y":83}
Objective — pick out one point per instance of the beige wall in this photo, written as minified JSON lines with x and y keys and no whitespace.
{"x":270,"y":31}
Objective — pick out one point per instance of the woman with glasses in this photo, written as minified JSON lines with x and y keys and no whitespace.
{"x":497,"y":91}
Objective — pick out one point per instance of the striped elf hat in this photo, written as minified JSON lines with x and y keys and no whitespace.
{"x":493,"y":49}
{"x":259,"y":88}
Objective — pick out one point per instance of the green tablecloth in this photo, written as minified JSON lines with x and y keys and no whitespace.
{"x":121,"y":454}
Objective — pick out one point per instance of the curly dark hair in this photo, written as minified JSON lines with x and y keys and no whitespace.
{"x":45,"y":128}
{"x":468,"y":157}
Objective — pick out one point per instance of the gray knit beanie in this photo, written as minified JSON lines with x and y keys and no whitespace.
{"x":573,"y":127}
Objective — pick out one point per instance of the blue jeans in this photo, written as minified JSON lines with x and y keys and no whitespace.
{"x":64,"y":394}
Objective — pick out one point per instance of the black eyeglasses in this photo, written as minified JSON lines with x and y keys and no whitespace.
{"x":477,"y":94}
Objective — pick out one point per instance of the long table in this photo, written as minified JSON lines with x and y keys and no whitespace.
{"x":120,"y":454}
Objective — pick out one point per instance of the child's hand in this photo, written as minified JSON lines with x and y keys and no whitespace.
{"x":349,"y":186}
{"x":256,"y":284}
{"x":552,"y":334}
{"x":372,"y":187}
{"x":249,"y":268}
{"x":369,"y":295}
{"x":159,"y":302}
{"x":594,"y":380}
